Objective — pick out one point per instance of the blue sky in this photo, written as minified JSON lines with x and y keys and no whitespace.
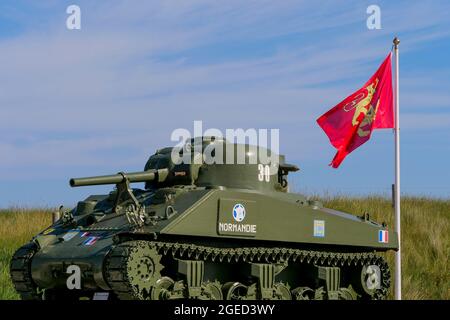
{"x":102,"y":99}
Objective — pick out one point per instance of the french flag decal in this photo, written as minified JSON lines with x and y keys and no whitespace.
{"x":90,"y":241}
{"x":383,"y":236}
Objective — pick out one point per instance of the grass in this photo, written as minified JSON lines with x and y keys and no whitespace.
{"x":17,"y":226}
{"x":425,"y":242}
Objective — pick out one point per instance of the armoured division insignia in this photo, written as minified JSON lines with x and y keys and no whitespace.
{"x":319,"y":228}
{"x":236,"y":217}
{"x":239,"y":212}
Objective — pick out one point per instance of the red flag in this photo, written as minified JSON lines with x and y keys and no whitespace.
{"x":350,"y":123}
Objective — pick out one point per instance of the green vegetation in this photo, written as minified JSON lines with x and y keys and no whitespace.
{"x":425,"y":240}
{"x":425,"y":231}
{"x":17,"y":227}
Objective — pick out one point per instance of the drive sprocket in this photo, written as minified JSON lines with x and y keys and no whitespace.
{"x":132,"y":270}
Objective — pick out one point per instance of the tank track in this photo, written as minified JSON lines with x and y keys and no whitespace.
{"x":117,"y":274}
{"x":21,"y":274}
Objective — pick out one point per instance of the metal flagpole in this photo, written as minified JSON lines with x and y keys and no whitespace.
{"x":398,"y":256}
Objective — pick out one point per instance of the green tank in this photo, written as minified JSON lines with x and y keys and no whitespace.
{"x":202,"y":229}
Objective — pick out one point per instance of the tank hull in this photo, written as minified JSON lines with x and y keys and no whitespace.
{"x":284,"y":236}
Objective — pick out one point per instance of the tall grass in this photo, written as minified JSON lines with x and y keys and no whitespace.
{"x":17,"y":226}
{"x":425,"y":239}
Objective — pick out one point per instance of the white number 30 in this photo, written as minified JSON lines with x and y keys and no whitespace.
{"x":264,"y":173}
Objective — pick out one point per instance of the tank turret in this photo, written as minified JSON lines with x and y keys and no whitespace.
{"x":215,"y":162}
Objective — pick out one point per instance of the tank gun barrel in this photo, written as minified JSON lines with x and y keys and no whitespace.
{"x":143,"y":176}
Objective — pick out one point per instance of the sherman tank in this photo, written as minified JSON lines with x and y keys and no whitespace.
{"x":202,"y":228}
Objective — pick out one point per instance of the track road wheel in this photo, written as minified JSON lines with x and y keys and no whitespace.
{"x":303,"y":293}
{"x":234,"y":291}
{"x":347,"y":294}
{"x":370,"y":278}
{"x":282,"y":292}
{"x":375,"y":280}
{"x":212,"y":291}
{"x":162,"y":289}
